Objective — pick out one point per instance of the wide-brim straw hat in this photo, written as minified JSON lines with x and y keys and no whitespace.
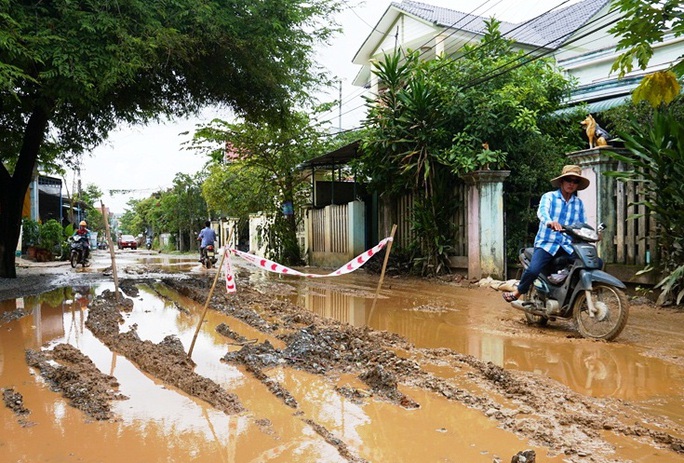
{"x":571,"y":171}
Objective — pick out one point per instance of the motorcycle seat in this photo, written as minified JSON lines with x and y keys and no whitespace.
{"x":558,"y":262}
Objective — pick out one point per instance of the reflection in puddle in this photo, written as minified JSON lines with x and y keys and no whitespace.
{"x":453,"y":318}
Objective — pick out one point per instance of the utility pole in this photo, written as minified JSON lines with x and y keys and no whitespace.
{"x":339,"y":117}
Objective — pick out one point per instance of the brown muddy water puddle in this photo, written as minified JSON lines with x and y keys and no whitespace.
{"x":477,"y":322}
{"x":160,"y":424}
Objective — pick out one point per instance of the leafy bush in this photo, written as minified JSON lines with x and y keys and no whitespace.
{"x":30,"y":234}
{"x":51,"y":235}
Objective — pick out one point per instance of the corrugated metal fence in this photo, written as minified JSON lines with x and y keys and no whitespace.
{"x":330,"y":229}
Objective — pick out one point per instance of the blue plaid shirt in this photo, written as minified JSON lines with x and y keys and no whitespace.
{"x":553,"y":208}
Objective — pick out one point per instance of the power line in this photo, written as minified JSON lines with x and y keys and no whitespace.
{"x":521,"y":26}
{"x":505,"y":69}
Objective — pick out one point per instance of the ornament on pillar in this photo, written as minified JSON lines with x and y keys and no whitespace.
{"x":595,"y":133}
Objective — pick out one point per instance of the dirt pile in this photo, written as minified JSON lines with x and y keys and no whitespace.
{"x":166,"y":360}
{"x":78,"y":379}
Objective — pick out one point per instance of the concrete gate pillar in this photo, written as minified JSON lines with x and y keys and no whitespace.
{"x":599,"y":197}
{"x":486,"y":238}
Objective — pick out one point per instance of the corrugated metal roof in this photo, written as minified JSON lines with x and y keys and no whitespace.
{"x":597,"y":106}
{"x":338,"y":157}
{"x":549,"y":30}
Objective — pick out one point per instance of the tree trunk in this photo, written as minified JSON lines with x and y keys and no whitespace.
{"x":291,"y":251}
{"x":13,"y":190}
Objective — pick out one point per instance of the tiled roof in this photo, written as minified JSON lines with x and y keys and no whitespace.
{"x":548,"y":30}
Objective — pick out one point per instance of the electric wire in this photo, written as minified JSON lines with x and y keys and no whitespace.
{"x":520,"y":26}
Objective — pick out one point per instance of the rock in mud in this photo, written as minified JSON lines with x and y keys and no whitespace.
{"x":525,"y":456}
{"x":14,"y":401}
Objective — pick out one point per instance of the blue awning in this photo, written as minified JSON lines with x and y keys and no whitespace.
{"x":596,"y":106}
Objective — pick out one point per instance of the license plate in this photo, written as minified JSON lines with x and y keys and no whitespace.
{"x":210,"y":253}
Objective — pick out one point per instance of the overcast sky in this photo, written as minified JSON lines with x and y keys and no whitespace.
{"x":146,"y":159}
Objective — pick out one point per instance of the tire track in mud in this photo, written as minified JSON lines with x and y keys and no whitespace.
{"x":542,"y":410}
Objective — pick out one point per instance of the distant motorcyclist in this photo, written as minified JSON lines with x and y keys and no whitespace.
{"x":206,"y":237}
{"x":84,"y":233}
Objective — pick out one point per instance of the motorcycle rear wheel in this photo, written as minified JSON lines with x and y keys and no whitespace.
{"x":73,"y":259}
{"x":612,"y":311}
{"x":533,"y":319}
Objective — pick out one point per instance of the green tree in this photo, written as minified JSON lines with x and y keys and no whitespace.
{"x":92,"y":213}
{"x":71,"y":71}
{"x":261,"y":173}
{"x":235,"y":189}
{"x":185,"y":208}
{"x":180,"y":210}
{"x":484,"y":108}
{"x":644,"y":24}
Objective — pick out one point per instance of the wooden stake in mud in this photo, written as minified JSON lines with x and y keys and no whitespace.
{"x":110,"y":244}
{"x":211,"y":292}
{"x":384,"y":265}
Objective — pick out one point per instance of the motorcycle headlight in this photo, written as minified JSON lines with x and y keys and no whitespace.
{"x":587,"y":234}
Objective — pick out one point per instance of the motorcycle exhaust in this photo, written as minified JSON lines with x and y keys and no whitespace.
{"x":528,"y":307}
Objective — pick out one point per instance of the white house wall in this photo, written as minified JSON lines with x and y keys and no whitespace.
{"x":592,"y":70}
{"x":407,"y":33}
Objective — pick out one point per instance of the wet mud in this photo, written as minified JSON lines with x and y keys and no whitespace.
{"x":77,"y":379}
{"x":547,"y":413}
{"x":282,"y":346}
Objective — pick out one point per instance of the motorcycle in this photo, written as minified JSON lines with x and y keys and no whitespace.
{"x":77,"y":255}
{"x":577,"y":290}
{"x":208,"y":256}
{"x":148,"y":243}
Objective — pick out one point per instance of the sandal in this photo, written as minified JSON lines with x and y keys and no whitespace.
{"x":509,"y":297}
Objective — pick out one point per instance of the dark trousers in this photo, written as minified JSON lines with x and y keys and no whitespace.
{"x":540,"y":259}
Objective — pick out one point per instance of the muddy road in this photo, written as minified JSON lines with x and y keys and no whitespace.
{"x":291,"y":369}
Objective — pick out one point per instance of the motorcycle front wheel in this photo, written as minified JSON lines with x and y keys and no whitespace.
{"x":611,"y":310}
{"x":73,"y":259}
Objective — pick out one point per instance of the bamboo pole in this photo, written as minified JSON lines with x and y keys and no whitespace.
{"x":211,"y":292}
{"x":110,"y":244}
{"x":384,"y":266}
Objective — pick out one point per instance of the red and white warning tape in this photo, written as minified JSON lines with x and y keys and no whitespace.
{"x":275,"y":267}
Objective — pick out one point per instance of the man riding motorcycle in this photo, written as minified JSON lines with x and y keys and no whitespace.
{"x":84,"y":233}
{"x":206,"y":237}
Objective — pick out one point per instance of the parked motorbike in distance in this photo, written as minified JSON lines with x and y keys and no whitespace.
{"x":208,"y":257}
{"x":77,"y":253}
{"x":577,"y":290}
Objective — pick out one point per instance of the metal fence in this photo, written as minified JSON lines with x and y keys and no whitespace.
{"x":330,"y":229}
